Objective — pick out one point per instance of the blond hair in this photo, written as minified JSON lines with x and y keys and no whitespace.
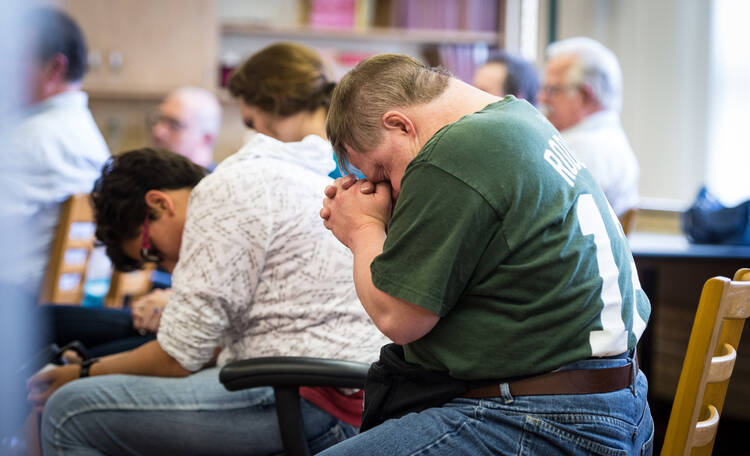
{"x":368,"y":91}
{"x":283,"y":79}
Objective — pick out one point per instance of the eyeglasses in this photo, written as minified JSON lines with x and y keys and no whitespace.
{"x":552,"y":90}
{"x":148,"y":254}
{"x":172,"y":124}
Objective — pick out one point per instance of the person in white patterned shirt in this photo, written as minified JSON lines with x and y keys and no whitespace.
{"x":253,"y":273}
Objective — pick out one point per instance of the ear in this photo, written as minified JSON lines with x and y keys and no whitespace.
{"x":160,"y":203}
{"x":588,"y":95}
{"x":397,"y":121}
{"x":208,"y":139}
{"x":56,"y":68}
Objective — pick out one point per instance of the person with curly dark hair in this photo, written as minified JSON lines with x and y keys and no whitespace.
{"x":253,"y":274}
{"x":120,"y":197}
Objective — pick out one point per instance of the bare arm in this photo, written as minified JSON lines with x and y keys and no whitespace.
{"x":148,"y":359}
{"x":358,"y":219}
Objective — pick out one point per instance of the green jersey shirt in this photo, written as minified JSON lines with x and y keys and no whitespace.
{"x":501,"y":231}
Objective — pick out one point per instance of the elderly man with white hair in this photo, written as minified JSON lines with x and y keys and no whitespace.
{"x":187,"y":122}
{"x":582,"y":96}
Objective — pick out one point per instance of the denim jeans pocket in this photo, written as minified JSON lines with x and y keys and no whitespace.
{"x":648,"y":447}
{"x":574,"y":435}
{"x":647,"y":425}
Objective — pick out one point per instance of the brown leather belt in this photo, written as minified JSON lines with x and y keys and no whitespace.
{"x":589,"y":381}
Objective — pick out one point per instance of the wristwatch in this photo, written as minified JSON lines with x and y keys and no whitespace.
{"x":86,"y":365}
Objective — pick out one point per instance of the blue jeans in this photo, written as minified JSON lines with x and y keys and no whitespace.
{"x":124,"y":414}
{"x":616,"y":423}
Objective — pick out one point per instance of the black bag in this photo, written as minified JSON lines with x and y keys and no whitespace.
{"x":707,"y":221}
{"x":395,"y":387}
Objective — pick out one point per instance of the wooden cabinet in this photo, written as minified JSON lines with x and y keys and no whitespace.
{"x":144,"y":48}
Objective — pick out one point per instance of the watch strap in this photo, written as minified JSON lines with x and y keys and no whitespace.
{"x":86,"y":366}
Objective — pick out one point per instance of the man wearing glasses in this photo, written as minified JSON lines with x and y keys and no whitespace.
{"x":581,"y":96}
{"x":254,"y":274}
{"x":187,"y":122}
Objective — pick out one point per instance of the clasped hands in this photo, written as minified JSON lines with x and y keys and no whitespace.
{"x":352,"y":206}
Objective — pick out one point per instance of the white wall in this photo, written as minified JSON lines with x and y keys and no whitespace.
{"x":663,"y":47}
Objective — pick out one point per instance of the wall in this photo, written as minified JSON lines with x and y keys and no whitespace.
{"x":663,"y":50}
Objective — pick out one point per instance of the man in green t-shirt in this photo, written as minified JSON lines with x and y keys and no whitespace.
{"x":486,"y":249}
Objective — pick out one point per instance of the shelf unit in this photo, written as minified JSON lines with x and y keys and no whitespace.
{"x":384,"y":34}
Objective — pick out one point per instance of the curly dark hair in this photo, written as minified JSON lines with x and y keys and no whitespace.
{"x":118,"y":196}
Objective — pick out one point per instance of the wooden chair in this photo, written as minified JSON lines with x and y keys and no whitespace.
{"x":712,"y":349}
{"x":128,"y":284}
{"x":627,"y":220}
{"x":71,"y":249}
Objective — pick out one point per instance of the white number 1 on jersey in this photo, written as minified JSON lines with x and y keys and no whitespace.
{"x":612,"y":339}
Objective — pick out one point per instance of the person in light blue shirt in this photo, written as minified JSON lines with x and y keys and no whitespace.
{"x":55,"y":148}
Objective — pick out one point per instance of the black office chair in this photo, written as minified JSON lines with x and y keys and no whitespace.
{"x":286,"y":374}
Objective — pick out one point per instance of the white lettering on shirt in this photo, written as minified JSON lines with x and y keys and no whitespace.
{"x":562,"y":160}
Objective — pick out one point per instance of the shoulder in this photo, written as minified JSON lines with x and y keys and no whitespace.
{"x":506,"y":135}
{"x":507,"y":123}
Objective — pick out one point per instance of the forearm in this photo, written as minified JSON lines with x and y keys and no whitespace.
{"x":365,"y":248}
{"x":148,"y":359}
{"x":399,"y":320}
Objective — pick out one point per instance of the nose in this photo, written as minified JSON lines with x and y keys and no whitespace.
{"x":159,"y":132}
{"x":541,"y":97}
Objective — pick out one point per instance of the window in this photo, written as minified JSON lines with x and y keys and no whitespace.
{"x":728,"y":154}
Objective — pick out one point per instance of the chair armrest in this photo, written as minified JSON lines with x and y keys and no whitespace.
{"x":293,"y":371}
{"x":286,"y":374}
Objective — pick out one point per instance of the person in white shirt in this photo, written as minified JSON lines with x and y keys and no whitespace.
{"x":186,"y":122}
{"x":55,"y":148}
{"x":254,"y":274}
{"x":581,"y":96}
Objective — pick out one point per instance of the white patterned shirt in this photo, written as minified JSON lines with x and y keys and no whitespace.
{"x":258,"y":274}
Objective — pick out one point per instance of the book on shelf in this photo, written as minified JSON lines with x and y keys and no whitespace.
{"x":478,"y":15}
{"x":341,"y":13}
{"x":331,"y":13}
